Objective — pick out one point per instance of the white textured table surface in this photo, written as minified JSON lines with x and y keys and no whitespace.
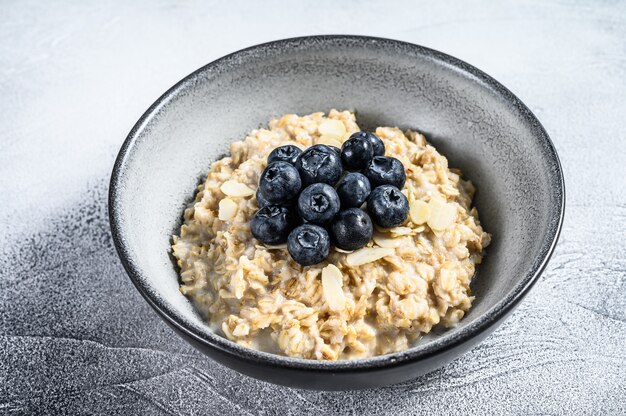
{"x":75,"y":335}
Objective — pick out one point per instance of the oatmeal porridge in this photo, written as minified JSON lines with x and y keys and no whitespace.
{"x":381,"y":273}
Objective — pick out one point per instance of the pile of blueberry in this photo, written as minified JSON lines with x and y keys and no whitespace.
{"x":311,"y":198}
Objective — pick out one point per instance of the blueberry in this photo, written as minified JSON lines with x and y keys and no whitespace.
{"x":288,"y":153}
{"x":356,"y":152}
{"x":272,"y":224}
{"x":279,"y":182}
{"x":318,"y":203}
{"x":384,"y":170}
{"x":353,"y":190}
{"x":352,"y":229}
{"x":262,"y":201}
{"x":336,"y":149}
{"x":319,"y":163}
{"x":387,"y":206}
{"x":377,"y":144}
{"x":308,"y":244}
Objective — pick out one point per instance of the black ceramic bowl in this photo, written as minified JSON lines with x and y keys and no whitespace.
{"x":477,"y":123}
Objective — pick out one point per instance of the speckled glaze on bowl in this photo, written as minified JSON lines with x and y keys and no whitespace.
{"x":473,"y":120}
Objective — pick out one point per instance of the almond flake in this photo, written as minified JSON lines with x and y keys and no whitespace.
{"x":276,"y":247}
{"x":332,"y":283}
{"x":368,"y":255}
{"x":442,"y":214}
{"x":331,"y":126}
{"x":380,"y":229}
{"x":401,"y":231}
{"x":383,"y":240}
{"x":241,"y":330}
{"x":450,"y":190}
{"x":419,"y":212}
{"x":234,"y":188}
{"x":227,"y":209}
{"x":437,"y":198}
{"x":330,"y":140}
{"x":340,"y":250}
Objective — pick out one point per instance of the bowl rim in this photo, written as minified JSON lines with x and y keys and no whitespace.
{"x":446,"y":342}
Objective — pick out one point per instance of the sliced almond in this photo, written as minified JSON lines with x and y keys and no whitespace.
{"x":330,"y":140}
{"x":368,"y":255}
{"x":410,"y":192}
{"x":332,"y":283}
{"x":401,"y":231}
{"x":379,"y":228}
{"x":227,"y":209}
{"x":331,"y":126}
{"x":340,"y":250}
{"x":241,"y":330}
{"x":436,"y":197}
{"x":385,"y":240}
{"x":346,"y":136}
{"x":237,"y":189}
{"x":396,"y":231}
{"x":277,"y":247}
{"x":449,"y":190}
{"x":419,"y":212}
{"x":442,"y":214}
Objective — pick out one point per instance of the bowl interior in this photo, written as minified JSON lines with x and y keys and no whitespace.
{"x":478,"y":125}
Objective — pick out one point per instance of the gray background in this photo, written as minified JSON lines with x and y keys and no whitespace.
{"x":75,"y":335}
